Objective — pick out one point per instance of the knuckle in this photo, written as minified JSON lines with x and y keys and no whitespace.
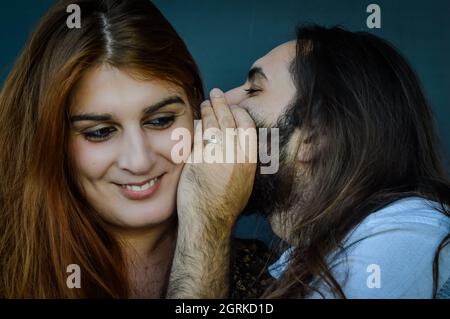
{"x":227,"y":121}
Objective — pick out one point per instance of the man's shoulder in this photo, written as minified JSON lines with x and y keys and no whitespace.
{"x":411,"y":214}
{"x":400,"y":240}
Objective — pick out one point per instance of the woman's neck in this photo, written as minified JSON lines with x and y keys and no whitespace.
{"x":148,"y":253}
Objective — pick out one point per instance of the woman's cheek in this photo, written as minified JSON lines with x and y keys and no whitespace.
{"x":91,"y":159}
{"x":169,"y":140}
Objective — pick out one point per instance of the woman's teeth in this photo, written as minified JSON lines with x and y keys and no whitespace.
{"x":141,"y":188}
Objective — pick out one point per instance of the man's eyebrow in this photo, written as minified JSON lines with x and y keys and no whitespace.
{"x":93,"y":117}
{"x":254,"y":72}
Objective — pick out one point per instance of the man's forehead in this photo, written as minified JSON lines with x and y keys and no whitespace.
{"x":280,"y":57}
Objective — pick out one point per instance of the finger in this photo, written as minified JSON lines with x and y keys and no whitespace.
{"x":247,"y":136}
{"x":242,"y":118}
{"x":211,"y":128}
{"x":236,"y":96}
{"x":198,"y":135}
{"x":221,"y":109}
{"x":208,"y":116}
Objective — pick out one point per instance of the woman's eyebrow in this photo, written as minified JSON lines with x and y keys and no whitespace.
{"x":167,"y":101}
{"x":94,"y":117}
{"x":91,"y":117}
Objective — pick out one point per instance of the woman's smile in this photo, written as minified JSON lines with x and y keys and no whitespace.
{"x":141,"y":191}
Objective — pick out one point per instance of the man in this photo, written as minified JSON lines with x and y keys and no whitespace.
{"x":360,"y":197}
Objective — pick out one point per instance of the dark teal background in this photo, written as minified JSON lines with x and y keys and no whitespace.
{"x":226,"y":37}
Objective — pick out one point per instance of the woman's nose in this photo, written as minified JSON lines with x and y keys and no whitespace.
{"x":135,"y":154}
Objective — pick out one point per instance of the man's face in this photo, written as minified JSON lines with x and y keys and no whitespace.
{"x":269,"y":88}
{"x":269,"y":97}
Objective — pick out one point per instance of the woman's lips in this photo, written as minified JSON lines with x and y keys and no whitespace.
{"x":141,"y":191}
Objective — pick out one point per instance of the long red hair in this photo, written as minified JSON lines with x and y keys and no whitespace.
{"x":46,"y":224}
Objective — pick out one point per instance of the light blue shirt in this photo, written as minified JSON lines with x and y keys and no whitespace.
{"x":389,"y":254}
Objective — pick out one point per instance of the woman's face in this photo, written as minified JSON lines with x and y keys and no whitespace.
{"x":120,"y":145}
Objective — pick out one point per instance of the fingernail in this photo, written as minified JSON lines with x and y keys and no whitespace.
{"x":205,"y":103}
{"x":216,"y":93}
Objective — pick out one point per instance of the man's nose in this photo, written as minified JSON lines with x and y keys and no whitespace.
{"x":235,"y":96}
{"x":135,"y":153}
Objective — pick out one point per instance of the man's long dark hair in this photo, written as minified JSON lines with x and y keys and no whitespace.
{"x":361,"y":97}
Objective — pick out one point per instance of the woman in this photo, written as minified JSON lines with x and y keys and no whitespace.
{"x":86,"y":117}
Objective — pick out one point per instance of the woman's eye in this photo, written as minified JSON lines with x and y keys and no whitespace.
{"x":251,"y":91}
{"x":100,"y":134}
{"x":160,"y":122}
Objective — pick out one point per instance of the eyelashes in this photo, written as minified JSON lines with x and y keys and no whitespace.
{"x":252,"y":91}
{"x":99,"y":134}
{"x":106,"y":132}
{"x":161,"y":122}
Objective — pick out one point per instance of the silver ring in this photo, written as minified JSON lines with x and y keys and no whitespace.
{"x":213,"y":140}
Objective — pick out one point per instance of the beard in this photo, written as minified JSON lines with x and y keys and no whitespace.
{"x":278,"y":192}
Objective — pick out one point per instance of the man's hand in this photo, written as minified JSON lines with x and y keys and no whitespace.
{"x":210,"y":198}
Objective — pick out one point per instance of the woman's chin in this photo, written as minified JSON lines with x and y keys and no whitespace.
{"x":137,"y":220}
